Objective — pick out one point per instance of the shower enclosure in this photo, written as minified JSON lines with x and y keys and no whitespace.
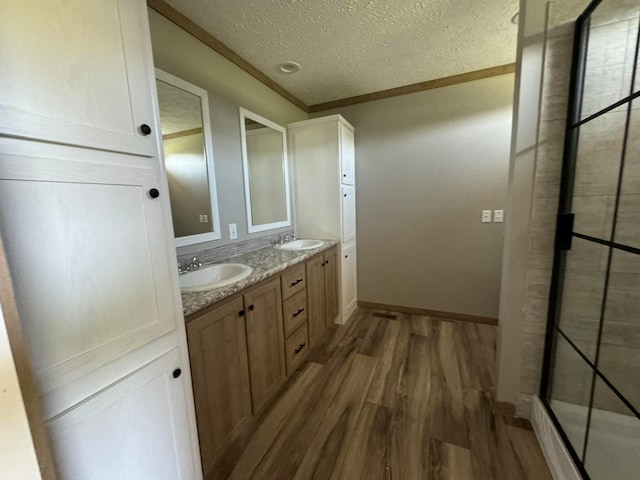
{"x":591,"y":372}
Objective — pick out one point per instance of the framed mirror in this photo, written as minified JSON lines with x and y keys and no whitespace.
{"x":266,"y":172}
{"x":188,"y":157}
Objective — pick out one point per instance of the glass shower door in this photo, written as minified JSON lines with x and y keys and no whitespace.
{"x":591,"y":372}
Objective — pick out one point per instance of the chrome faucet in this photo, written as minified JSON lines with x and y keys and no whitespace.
{"x":194,"y":264}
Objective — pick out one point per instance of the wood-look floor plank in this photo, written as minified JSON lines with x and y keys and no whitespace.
{"x":526,"y":447}
{"x":274,"y":421}
{"x":366,"y":455}
{"x":488,"y":335}
{"x":405,"y":412}
{"x":330,"y":442}
{"x":384,"y":386}
{"x":321,"y":352}
{"x":359,"y":324}
{"x":420,"y":325}
{"x":446,"y":403}
{"x":449,"y":462}
{"x":482,"y":435}
{"x":409,"y":442}
{"x":472,"y":362}
{"x":373,"y":342}
{"x":492,"y":453}
{"x":289,"y":448}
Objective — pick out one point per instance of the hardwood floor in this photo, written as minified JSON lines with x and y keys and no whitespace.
{"x":392,"y":396}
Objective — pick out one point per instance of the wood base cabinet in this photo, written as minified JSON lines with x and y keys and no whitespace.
{"x":237,"y":360}
{"x":220,"y":372}
{"x":322,"y":293}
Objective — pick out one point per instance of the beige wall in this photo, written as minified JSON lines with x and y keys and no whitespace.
{"x":229,"y":87}
{"x":544,"y":61}
{"x":427,"y":164}
{"x":186,"y":165}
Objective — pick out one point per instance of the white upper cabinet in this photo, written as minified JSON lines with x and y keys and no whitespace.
{"x":322,"y":153}
{"x":347,"y":155}
{"x":348,"y":213}
{"x":86,"y":224}
{"x":104,"y":432}
{"x":86,"y":246}
{"x":69,"y":97}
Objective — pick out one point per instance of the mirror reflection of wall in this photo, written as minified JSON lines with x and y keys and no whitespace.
{"x":266,"y":172}
{"x":186,"y":137}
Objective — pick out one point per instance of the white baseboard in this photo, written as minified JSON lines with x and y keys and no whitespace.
{"x":556,"y":454}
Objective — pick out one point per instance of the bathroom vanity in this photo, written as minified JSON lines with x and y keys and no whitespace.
{"x":246,"y":338}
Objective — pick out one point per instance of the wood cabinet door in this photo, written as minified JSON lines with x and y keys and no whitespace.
{"x":315,"y":299}
{"x":78,"y":72}
{"x":265,"y":340}
{"x":92,"y":266}
{"x":347,"y":156}
{"x":349,"y":281}
{"x":104,"y":432}
{"x":220,"y":373}
{"x":331,"y":290}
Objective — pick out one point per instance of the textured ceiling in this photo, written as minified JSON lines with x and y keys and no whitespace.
{"x":353,"y":47}
{"x":179,"y":110}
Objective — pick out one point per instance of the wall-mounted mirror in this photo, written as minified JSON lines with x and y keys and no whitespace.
{"x":266,"y":172}
{"x":188,"y":157}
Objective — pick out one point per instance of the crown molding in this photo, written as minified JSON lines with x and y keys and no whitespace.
{"x":173,"y":15}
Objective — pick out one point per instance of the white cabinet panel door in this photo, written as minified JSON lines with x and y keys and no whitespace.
{"x":137,"y":429}
{"x":349,"y":280}
{"x":347,"y":156}
{"x":77,"y":72}
{"x":86,"y":245}
{"x":348,"y":214}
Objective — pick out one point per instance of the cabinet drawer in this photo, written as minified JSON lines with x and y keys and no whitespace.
{"x":293,"y":280}
{"x":297,"y":346}
{"x":294,"y":312}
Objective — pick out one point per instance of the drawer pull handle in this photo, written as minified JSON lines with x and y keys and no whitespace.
{"x":296,"y":282}
{"x":298,"y":313}
{"x":297,"y":350}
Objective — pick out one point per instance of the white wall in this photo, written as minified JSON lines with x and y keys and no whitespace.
{"x":229,"y":87}
{"x":427,"y":164}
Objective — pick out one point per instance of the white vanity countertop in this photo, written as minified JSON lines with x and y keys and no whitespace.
{"x":265,"y":262}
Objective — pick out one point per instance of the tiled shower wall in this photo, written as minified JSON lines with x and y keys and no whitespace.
{"x":594,"y":201}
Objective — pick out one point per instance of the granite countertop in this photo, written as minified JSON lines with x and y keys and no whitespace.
{"x":265,"y":262}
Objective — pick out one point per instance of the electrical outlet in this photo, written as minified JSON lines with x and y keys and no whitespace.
{"x":486,"y":216}
{"x":498,"y":216}
{"x":233,"y":231}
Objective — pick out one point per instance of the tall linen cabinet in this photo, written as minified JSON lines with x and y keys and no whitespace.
{"x":322,"y":152}
{"x":86,"y":224}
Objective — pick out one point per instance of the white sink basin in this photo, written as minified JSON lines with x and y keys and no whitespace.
{"x":213,"y":276}
{"x":305,"y":244}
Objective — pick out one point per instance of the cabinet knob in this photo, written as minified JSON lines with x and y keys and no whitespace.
{"x":346,"y":256}
{"x":345,"y":195}
{"x":251,"y":308}
{"x":241,"y":313}
{"x":154,"y":193}
{"x":177,"y":372}
{"x":344,"y":175}
{"x":145,"y":129}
